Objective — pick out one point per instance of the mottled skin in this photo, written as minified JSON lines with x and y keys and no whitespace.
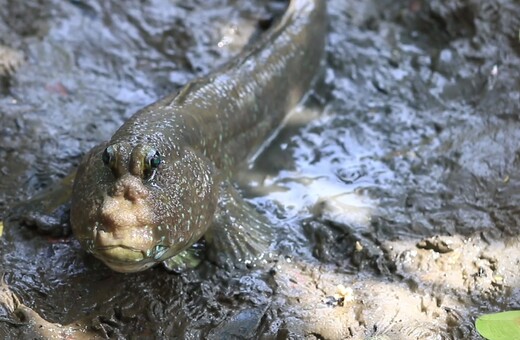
{"x":132,"y":215}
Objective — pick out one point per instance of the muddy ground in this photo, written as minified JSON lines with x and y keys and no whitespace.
{"x":394,"y":189}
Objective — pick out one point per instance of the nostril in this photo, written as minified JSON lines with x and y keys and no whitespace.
{"x":133,"y":194}
{"x":117,"y":190}
{"x":130,"y":188}
{"x":107,"y":222}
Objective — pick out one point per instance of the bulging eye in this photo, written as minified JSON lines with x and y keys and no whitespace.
{"x":108,"y":156}
{"x":152,"y":162}
{"x":155,"y":160}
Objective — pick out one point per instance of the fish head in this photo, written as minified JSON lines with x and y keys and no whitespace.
{"x":135,"y":205}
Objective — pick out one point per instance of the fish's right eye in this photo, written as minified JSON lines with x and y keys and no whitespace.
{"x":108,"y":156}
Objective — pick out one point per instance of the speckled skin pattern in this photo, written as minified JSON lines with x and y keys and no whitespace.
{"x":132,"y":216}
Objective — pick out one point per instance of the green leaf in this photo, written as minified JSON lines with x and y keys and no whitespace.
{"x":499,"y":326}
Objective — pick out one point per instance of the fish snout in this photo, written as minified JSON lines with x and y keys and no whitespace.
{"x":125,"y":214}
{"x":117,"y":214}
{"x":130,"y":188}
{"x":125,"y":231}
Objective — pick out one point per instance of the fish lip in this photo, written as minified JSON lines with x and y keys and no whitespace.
{"x":144,"y":260}
{"x":95,"y":246}
{"x":108,"y":253}
{"x":122,"y":266}
{"x":117,"y":246}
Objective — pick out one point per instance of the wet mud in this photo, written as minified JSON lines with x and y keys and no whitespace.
{"x":393,"y":189}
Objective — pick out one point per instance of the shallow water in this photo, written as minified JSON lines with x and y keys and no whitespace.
{"x":397,"y":177}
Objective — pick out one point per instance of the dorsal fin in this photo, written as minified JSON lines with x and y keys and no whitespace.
{"x":191,"y":87}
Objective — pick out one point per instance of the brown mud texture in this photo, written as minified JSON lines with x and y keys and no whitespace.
{"x":393,"y":189}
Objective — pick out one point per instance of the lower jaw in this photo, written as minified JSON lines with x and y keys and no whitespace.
{"x":126,"y":267}
{"x":120,"y":254}
{"x":123,"y":260}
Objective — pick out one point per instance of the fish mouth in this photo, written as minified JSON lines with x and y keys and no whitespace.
{"x":123,"y":259}
{"x":121,"y":249}
{"x":126,"y":259}
{"x":121,"y":254}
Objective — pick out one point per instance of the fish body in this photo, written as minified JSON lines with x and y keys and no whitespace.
{"x":162,"y":181}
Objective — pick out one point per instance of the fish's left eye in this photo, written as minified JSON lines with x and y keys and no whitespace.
{"x":109,"y":156}
{"x":152,"y":162}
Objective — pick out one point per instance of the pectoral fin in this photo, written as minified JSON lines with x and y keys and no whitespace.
{"x":187,"y":259}
{"x":240,"y":235}
{"x":48,"y":211}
